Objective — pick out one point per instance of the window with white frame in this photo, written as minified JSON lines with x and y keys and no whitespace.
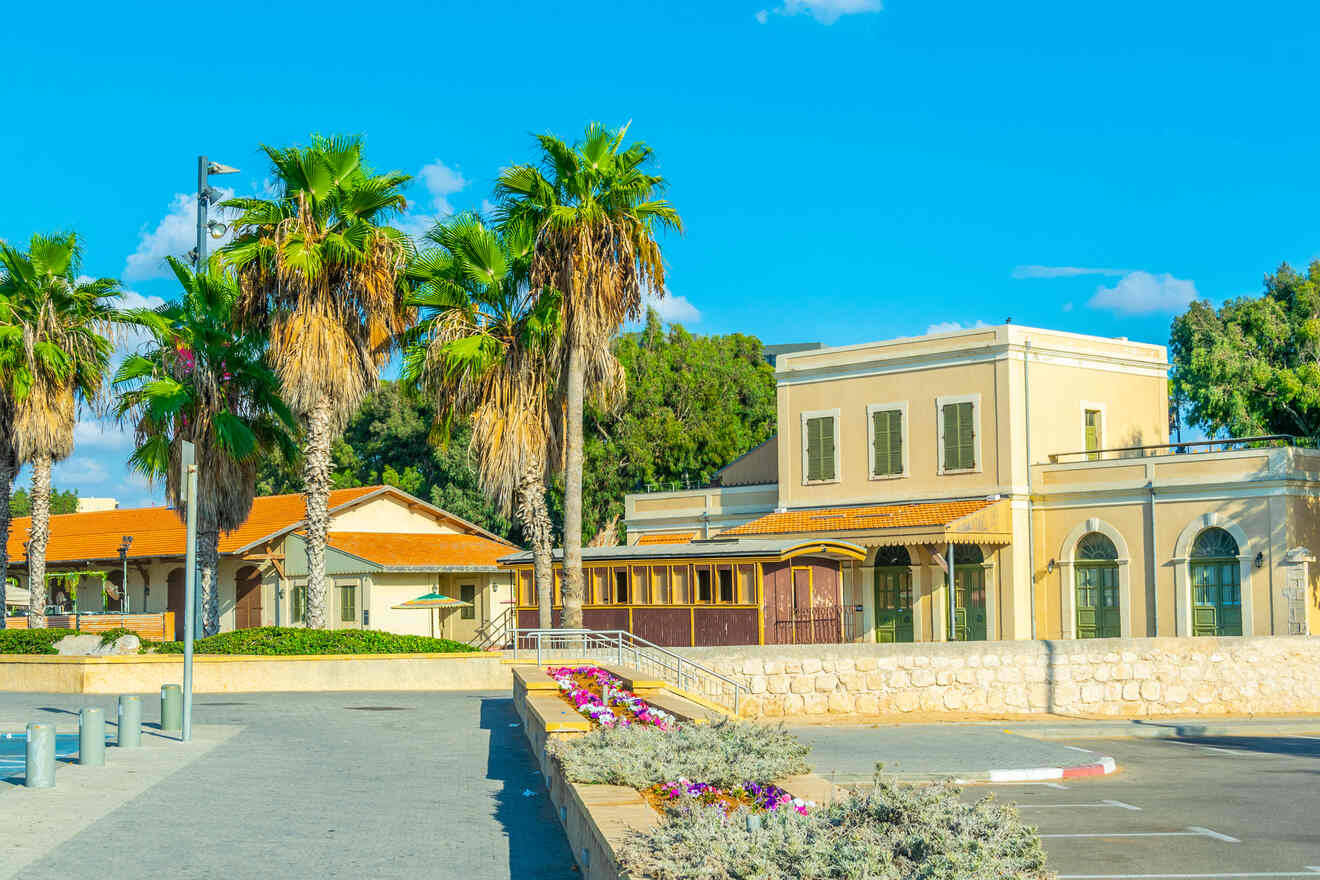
{"x":886,"y":428}
{"x":960,"y":433}
{"x":820,"y":446}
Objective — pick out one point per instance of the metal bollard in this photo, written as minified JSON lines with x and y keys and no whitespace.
{"x":130,"y":722}
{"x":40,"y":771}
{"x":91,"y":736}
{"x":171,"y":708}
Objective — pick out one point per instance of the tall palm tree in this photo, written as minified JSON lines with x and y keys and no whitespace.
{"x":204,"y":382}
{"x":55,"y":345}
{"x":484,"y":348}
{"x":8,"y":470}
{"x":320,"y":271}
{"x":596,"y":211}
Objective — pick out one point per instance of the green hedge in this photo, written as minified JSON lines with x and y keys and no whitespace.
{"x":296,"y":640}
{"x":31,"y":641}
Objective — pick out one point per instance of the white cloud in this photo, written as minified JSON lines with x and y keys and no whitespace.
{"x":953,"y":327}
{"x":824,"y":11}
{"x":441,"y":182}
{"x":671,"y":309}
{"x":174,"y":236}
{"x":1139,"y":293}
{"x":1061,"y":271}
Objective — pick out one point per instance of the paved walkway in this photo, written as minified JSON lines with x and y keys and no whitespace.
{"x":379,"y":785}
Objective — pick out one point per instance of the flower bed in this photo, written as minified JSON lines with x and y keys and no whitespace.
{"x":757,"y":797}
{"x":602,"y":698}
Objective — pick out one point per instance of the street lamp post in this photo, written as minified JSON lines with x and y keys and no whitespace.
{"x":123,"y":584}
{"x":207,"y":195}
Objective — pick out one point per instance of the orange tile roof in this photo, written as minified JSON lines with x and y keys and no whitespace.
{"x":851,"y":519}
{"x":440,"y":551}
{"x":670,"y":538}
{"x":158,"y":531}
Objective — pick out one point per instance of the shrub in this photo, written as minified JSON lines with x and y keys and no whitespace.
{"x":890,"y":832}
{"x":724,"y":753}
{"x":31,"y":641}
{"x":297,"y":640}
{"x":110,"y":636}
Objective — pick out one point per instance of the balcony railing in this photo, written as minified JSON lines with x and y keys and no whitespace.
{"x":1229,"y":445}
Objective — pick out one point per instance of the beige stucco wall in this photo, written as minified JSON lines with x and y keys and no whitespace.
{"x":389,"y":589}
{"x":388,"y":514}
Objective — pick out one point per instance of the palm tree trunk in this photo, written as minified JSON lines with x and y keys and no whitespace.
{"x":38,"y":537}
{"x":6,"y":481}
{"x":535,"y":520}
{"x":572,"y":585}
{"x":208,"y":563}
{"x":316,"y":492}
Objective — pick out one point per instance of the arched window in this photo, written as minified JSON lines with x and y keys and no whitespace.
{"x":967,"y":554}
{"x":888,"y":556}
{"x":1214,"y":544}
{"x":1216,"y":584}
{"x":1096,"y":547}
{"x":1096,"y":572}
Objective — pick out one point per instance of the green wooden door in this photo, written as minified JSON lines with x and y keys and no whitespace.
{"x":1216,"y":598}
{"x":969,"y":604}
{"x":893,"y":604}
{"x":1097,"y":601}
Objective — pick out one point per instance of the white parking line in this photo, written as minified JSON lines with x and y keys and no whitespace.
{"x":1192,"y":831}
{"x":1311,"y":871}
{"x":1105,"y":803}
{"x":1080,"y":749}
{"x":1239,"y":753}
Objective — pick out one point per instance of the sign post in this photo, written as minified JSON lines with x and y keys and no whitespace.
{"x":188,"y":495}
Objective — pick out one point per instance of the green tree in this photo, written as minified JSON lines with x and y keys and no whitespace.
{"x":694,"y":404}
{"x":202,"y":382}
{"x":321,"y":272}
{"x":484,"y":349}
{"x":54,"y":353}
{"x":61,"y":501}
{"x":596,"y":211}
{"x":1252,"y":366}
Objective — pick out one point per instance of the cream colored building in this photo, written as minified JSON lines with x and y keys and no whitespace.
{"x":385,"y":547}
{"x":1040,"y":461}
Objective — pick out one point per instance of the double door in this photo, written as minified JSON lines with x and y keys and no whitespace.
{"x":969,"y":604}
{"x":1097,"y":602}
{"x":893,"y":604}
{"x":1216,"y":598}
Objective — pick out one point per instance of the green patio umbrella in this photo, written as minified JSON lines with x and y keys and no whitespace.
{"x":432,"y":601}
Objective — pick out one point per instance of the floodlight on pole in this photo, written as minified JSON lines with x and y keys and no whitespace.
{"x":206,"y":194}
{"x":123,"y":584}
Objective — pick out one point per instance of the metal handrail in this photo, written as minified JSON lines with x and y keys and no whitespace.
{"x":496,"y":631}
{"x":682,"y":671}
{"x":1286,"y":439}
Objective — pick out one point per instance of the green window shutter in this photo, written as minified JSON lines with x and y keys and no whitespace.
{"x":959,"y":437}
{"x":1092,"y":431}
{"x":813,"y":449}
{"x":887,"y":428}
{"x":820,"y":448}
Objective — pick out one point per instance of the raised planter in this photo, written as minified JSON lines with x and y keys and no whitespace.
{"x":224,"y":673}
{"x":596,"y":818}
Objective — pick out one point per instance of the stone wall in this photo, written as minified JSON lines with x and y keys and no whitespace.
{"x":1094,"y":677}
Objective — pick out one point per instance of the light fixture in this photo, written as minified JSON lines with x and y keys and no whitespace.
{"x":1050,"y":568}
{"x":1260,"y":560}
{"x":217,"y":229}
{"x":213,"y":195}
{"x":217,"y":168}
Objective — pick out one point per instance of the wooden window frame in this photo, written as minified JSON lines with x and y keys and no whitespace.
{"x":697,"y":570}
{"x":627,"y":585}
{"x":806,"y":418}
{"x":977,"y":432}
{"x":902,"y":408}
{"x":684,"y":573}
{"x":658,"y":572}
{"x":468,"y":613}
{"x":640,"y":586}
{"x":718,"y":586}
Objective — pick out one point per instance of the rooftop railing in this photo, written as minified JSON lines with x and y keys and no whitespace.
{"x":1195,"y":446}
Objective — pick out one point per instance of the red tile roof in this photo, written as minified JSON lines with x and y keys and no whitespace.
{"x":158,"y":531}
{"x":667,"y":538}
{"x":409,"y":549}
{"x":869,"y":516}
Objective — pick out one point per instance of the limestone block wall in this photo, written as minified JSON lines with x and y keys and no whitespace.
{"x":1092,"y":677}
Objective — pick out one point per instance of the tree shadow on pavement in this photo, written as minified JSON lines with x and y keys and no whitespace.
{"x":538,"y":849}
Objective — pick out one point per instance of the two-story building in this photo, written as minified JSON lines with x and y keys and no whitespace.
{"x":1033,"y":464}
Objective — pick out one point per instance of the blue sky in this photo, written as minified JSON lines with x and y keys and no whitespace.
{"x":845,"y":171}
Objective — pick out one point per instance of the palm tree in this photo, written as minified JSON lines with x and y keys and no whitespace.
{"x":56,"y":351}
{"x":323,"y":276}
{"x":203,"y":382}
{"x":596,"y":212}
{"x":484,"y":348}
{"x":8,"y":470}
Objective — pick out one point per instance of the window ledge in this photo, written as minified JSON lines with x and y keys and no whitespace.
{"x":888,"y":476}
{"x":820,"y":482}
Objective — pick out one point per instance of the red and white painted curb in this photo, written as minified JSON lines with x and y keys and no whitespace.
{"x":1103,"y":767}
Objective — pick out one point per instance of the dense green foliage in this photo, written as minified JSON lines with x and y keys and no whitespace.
{"x":283,"y":640}
{"x":32,"y":641}
{"x":725,"y":753}
{"x":890,"y":832}
{"x":694,"y":404}
{"x":20,"y":503}
{"x":1252,"y":366}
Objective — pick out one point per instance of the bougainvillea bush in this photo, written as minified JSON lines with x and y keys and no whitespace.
{"x":888,"y":832}
{"x":725,"y":753}
{"x":602,"y":697}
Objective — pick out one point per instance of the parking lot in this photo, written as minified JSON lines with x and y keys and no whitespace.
{"x":1224,"y":807}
